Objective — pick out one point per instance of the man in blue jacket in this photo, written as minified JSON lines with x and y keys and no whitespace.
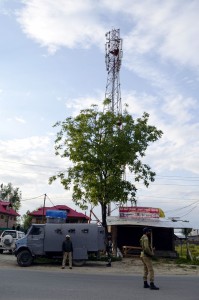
{"x":67,"y":248}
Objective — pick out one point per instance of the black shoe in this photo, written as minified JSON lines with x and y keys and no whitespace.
{"x":153,"y":287}
{"x":108,"y":265}
{"x":146,"y":285}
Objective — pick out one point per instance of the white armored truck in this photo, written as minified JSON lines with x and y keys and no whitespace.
{"x":45,"y":240}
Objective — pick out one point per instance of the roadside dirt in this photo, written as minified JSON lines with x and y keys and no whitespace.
{"x":126,"y":266}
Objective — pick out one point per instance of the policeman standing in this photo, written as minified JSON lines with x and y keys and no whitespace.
{"x":146,"y":257}
{"x":109,"y":246}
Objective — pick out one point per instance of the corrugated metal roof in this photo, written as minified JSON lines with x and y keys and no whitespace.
{"x":71,"y":213}
{"x":4,"y":210}
{"x":161,"y":222}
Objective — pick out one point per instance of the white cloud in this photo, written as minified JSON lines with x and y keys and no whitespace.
{"x":30,"y":159}
{"x":63,"y":23}
{"x":20,"y":120}
{"x":157,"y":34}
{"x":80,"y":103}
{"x":169,"y":28}
{"x":178,"y":147}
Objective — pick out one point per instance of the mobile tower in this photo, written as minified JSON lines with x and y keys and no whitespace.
{"x":113,"y":59}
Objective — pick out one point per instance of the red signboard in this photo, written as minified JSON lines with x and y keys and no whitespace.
{"x":137,"y":212}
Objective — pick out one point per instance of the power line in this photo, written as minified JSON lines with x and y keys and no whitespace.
{"x":174,"y":177}
{"x":162,"y":197}
{"x":30,"y":165}
{"x":32,"y":198}
{"x":188,"y":212}
{"x":50,"y":201}
{"x":168,"y":177}
{"x":183,"y":207}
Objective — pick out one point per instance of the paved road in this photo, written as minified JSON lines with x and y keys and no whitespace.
{"x":91,"y":282}
{"x":31,"y":284}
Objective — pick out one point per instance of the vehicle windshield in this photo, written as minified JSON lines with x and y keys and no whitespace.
{"x":12,"y":233}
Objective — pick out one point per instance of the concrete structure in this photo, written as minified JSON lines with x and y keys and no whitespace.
{"x":126,"y":233}
{"x":8,"y":216}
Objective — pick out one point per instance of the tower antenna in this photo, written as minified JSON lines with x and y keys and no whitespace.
{"x":113,"y":59}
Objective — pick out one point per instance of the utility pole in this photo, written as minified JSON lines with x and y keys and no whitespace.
{"x":44,"y":208}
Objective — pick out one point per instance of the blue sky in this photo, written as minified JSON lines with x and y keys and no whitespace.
{"x":52,"y":59}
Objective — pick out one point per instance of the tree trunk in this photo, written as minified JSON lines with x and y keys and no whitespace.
{"x":104,"y":211}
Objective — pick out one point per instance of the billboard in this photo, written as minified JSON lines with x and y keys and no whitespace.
{"x":138,"y":212}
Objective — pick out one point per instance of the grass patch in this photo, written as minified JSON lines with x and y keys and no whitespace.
{"x":182,"y":252}
{"x":185,"y":261}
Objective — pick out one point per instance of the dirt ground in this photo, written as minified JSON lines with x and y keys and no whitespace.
{"x":125,"y":266}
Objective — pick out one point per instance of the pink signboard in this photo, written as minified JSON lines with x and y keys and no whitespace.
{"x":137,"y":212}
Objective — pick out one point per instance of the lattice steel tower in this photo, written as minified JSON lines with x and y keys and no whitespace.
{"x":113,"y":59}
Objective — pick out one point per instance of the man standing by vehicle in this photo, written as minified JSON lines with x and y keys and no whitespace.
{"x":146,"y":257}
{"x":67,"y":248}
{"x":109,"y":246}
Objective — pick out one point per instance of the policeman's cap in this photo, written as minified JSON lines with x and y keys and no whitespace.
{"x":146,"y":229}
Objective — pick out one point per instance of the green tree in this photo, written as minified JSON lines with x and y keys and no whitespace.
{"x":11,"y":194}
{"x":186,"y":232}
{"x":100,"y":146}
{"x":26,"y":220}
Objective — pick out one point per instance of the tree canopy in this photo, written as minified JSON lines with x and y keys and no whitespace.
{"x":11,"y":194}
{"x":101,"y":146}
{"x":26,"y":220}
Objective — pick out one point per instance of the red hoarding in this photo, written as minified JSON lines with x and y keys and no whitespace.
{"x":136,"y":212}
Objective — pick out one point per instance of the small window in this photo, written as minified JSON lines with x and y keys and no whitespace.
{"x":71,"y":230}
{"x":35,"y":231}
{"x":12,"y":233}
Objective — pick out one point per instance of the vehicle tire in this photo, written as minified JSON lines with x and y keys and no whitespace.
{"x":79,"y":262}
{"x":24,"y":258}
{"x":7,"y":240}
{"x":1,"y":251}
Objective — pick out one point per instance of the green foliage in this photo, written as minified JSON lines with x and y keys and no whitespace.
{"x":186,"y":261}
{"x":100,"y":146}
{"x":186,"y":231}
{"x":26,"y":220}
{"x":11,"y":194}
{"x":182,"y":252}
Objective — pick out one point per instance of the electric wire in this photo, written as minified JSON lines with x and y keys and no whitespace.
{"x":50,"y":200}
{"x":32,"y":198}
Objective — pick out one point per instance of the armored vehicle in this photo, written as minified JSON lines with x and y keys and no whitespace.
{"x":45,"y":240}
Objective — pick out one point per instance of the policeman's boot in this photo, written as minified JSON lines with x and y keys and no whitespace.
{"x":153,"y":287}
{"x":146,"y":285}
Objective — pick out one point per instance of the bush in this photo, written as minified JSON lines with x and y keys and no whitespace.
{"x":182,"y":251}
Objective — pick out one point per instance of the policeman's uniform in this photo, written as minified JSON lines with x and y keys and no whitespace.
{"x":146,"y":257}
